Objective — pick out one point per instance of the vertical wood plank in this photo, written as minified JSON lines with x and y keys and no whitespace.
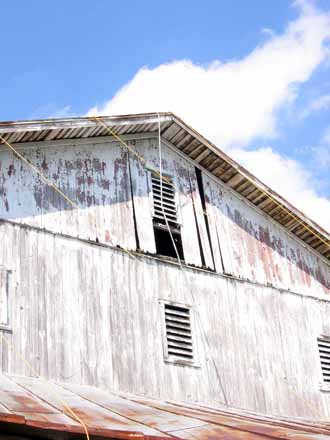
{"x":213,"y":200}
{"x":80,"y":316}
{"x":200,"y":219}
{"x":189,"y":233}
{"x":179,"y":170}
{"x":143,"y":211}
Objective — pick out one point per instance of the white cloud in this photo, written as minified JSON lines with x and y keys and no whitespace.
{"x":289,"y":178}
{"x":322,"y":151}
{"x":326,"y":136}
{"x":51,"y":110}
{"x":235,"y":102}
{"x":268,"y":32}
{"x":65,"y":112}
{"x":319,"y":154}
{"x":318,"y":104}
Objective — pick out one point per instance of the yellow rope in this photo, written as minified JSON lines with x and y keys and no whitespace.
{"x":144,"y":162}
{"x":47,"y":181}
{"x":99,"y":120}
{"x":66,"y":406}
{"x":36,"y":170}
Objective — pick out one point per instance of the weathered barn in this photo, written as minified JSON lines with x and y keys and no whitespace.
{"x":139,"y":259}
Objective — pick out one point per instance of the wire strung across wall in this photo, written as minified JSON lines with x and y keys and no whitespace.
{"x":99,"y":120}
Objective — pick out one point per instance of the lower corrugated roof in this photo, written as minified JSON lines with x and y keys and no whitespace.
{"x":190,"y":143}
{"x":33,"y":407}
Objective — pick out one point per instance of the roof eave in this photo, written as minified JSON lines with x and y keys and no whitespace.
{"x":174,"y":129}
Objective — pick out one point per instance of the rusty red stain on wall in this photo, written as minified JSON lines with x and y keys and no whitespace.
{"x":265,"y":250}
{"x":256,"y":250}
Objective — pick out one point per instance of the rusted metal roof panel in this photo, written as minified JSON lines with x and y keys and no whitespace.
{"x":94,"y":415}
{"x":43,"y":406}
{"x":189,"y":142}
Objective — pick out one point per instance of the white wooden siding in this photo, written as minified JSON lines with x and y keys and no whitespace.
{"x":254,"y":248}
{"x":88,"y":314}
{"x":98,"y":178}
{"x":142,"y":205}
{"x":95,"y":177}
{"x":4,"y":291}
{"x":181,"y":173}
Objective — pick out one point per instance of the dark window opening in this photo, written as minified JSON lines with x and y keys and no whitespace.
{"x":164,"y":243}
{"x":165,"y":220}
{"x":324,"y":352}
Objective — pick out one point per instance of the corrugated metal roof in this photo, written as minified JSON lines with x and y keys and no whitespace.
{"x":190,"y":143}
{"x":31,"y":405}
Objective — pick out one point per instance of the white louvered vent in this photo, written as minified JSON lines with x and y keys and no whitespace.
{"x":179,"y":333}
{"x":166,"y":202}
{"x":324,"y":351}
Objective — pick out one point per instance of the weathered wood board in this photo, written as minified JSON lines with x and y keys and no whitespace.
{"x":94,"y":177}
{"x":82,"y":313}
{"x":189,"y":205}
{"x":254,"y":248}
{"x":111,"y":188}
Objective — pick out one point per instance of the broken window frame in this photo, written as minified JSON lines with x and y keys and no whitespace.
{"x":162,"y":225}
{"x":173,"y":359}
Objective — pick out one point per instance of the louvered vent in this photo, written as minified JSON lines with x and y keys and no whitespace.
{"x":179,"y":332}
{"x":166,"y":202}
{"x":324,"y":351}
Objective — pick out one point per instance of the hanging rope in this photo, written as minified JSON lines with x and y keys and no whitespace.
{"x":49,"y":183}
{"x":99,"y":120}
{"x":161,"y":193}
{"x":37,"y":171}
{"x":204,"y":335}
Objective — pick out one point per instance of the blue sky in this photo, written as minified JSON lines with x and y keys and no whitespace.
{"x":252,"y":76}
{"x":77,"y":53}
